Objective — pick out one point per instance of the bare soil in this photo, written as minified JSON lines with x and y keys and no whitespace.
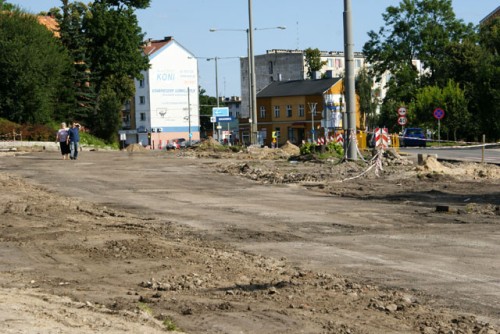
{"x":204,"y":241}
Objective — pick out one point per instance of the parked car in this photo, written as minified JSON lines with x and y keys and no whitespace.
{"x":176,"y":143}
{"x":413,"y":137}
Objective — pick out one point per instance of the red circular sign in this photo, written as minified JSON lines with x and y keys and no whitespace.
{"x":402,"y":111}
{"x":438,"y":113}
{"x":402,"y":120}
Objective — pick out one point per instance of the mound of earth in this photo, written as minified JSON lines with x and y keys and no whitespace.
{"x":135,"y":148}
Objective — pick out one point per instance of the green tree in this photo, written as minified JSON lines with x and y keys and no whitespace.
{"x":115,"y":44}
{"x":206,"y":105}
{"x":5,"y":6}
{"x":416,"y":29}
{"x":451,"y":99}
{"x":367,"y":100}
{"x":74,"y":38}
{"x":313,"y":61}
{"x":485,"y":104}
{"x":33,"y":69}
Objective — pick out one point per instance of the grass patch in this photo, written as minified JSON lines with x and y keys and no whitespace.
{"x":89,"y":140}
{"x":145,"y":308}
{"x":169,"y":325}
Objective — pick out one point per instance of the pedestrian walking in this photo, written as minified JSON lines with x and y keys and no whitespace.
{"x":62,"y":137}
{"x":74,"y":139}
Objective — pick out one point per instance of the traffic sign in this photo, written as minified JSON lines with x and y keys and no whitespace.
{"x":402,"y":120}
{"x":224,"y":119}
{"x":402,"y":111}
{"x":382,"y":138}
{"x":213,"y":119}
{"x":438,"y":113}
{"x":220,"y":112}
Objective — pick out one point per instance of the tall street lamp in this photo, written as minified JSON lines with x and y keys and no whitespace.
{"x":216,"y":59}
{"x":251,"y":70}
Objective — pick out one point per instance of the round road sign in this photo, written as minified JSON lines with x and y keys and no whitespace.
{"x":402,"y":120}
{"x":438,"y":113}
{"x":402,"y":111}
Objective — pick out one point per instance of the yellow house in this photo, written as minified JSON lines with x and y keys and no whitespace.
{"x":301,"y":110}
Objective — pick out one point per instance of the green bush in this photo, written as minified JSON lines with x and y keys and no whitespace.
{"x":89,"y":140}
{"x":307,"y":148}
{"x":336,"y":148}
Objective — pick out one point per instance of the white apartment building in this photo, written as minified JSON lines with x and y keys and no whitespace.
{"x":166,"y":104}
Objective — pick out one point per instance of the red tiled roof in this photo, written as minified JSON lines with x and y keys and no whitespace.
{"x":50,"y":23}
{"x":152,"y":46}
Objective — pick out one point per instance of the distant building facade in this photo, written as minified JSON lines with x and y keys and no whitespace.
{"x":300,"y":110}
{"x":285,"y":65}
{"x":166,"y":102}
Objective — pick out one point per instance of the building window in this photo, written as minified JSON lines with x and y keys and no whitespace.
{"x":143,"y":116}
{"x":301,"y":110}
{"x":291,"y":135}
{"x":142,"y":99}
{"x":358,"y":63}
{"x":288,"y":111}
{"x":262,"y":112}
{"x":270,"y":67}
{"x":330,"y":62}
{"x":338,"y":63}
{"x":276,"y":111}
{"x":141,"y":83}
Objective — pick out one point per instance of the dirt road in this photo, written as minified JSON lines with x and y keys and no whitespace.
{"x":157,"y":239}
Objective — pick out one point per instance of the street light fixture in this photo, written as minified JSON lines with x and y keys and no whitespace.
{"x":251,"y":71}
{"x":215,"y":59}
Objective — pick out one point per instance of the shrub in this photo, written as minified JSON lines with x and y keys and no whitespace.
{"x":29,"y":132}
{"x":307,"y":148}
{"x":336,"y":148}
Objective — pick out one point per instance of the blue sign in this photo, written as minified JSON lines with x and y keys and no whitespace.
{"x":438,"y":113}
{"x":224,"y":119}
{"x":220,"y":112}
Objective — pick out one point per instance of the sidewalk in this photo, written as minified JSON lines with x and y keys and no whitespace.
{"x":14,"y":145}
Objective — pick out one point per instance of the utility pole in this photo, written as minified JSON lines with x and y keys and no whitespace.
{"x":350,"y":145}
{"x":189,"y":117}
{"x":217,"y":97}
{"x":253,"y":88}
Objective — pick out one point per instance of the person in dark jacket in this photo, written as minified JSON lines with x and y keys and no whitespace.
{"x":74,"y":139}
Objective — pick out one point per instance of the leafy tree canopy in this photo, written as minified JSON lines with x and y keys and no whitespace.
{"x":313,"y":61}
{"x":33,"y":68}
{"x":416,"y":29}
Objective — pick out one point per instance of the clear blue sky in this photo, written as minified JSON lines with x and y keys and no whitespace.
{"x":315,"y":24}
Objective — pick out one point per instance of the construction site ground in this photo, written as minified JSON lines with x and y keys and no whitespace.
{"x":205,"y":241}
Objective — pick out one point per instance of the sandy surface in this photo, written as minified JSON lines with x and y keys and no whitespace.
{"x":249,"y":242}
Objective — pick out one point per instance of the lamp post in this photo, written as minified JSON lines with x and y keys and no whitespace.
{"x":350,"y":144}
{"x":312,"y":107}
{"x":251,"y":71}
{"x":215,"y":59}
